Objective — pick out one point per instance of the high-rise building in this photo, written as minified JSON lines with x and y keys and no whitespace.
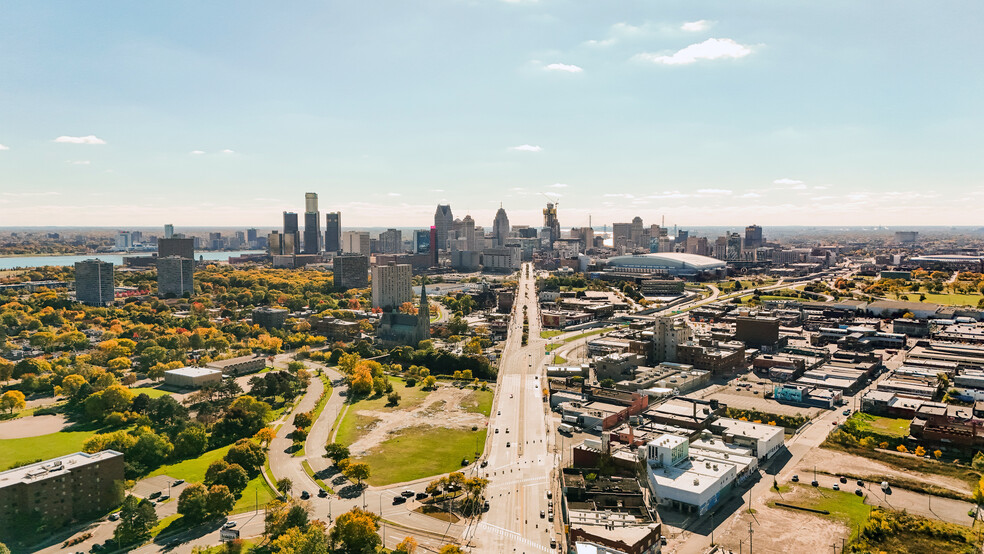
{"x":586,"y":235}
{"x":275,"y":243}
{"x":251,"y":237}
{"x":500,"y":228}
{"x":551,"y":222}
{"x":635,"y":231}
{"x":215,"y":241}
{"x":621,"y":234}
{"x":391,"y":286}
{"x":356,"y":242}
{"x":443,"y":220}
{"x":123,"y":240}
{"x":433,"y":246}
{"x":292,"y":236}
{"x":312,"y":224}
{"x":734,"y":247}
{"x":168,"y":231}
{"x":391,"y":241}
{"x":469,"y":233}
{"x":333,"y":232}
{"x":94,"y":285}
{"x":906,"y":237}
{"x":175,"y":276}
{"x":421,"y":241}
{"x":180,"y":247}
{"x":753,"y":236}
{"x":351,"y":272}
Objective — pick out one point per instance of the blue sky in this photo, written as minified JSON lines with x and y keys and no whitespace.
{"x":720,"y":112}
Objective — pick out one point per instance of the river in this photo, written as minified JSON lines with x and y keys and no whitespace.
{"x":15,"y":262}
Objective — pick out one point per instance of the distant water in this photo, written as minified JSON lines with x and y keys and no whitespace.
{"x":15,"y":262}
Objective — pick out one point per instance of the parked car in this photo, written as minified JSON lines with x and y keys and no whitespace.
{"x":543,"y":514}
{"x":553,"y":543}
{"x":796,"y":478}
{"x":114,"y":516}
{"x":847,"y":412}
{"x":178,"y":482}
{"x":229,"y":525}
{"x":836,"y":487}
{"x":507,"y":445}
{"x":859,"y":492}
{"x":843,"y":479}
{"x":860,"y":483}
{"x":421,"y":495}
{"x":549,"y":494}
{"x":154,"y":495}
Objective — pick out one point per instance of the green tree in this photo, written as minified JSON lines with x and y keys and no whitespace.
{"x":285,"y":485}
{"x":150,"y":450}
{"x":192,"y":503}
{"x":219,"y":500}
{"x":248,"y":455}
{"x":232,"y":476}
{"x":137,"y":518}
{"x":357,"y":471}
{"x":282,"y":516}
{"x":335,"y":451}
{"x":430,"y":382}
{"x":191,"y":442}
{"x":297,"y":540}
{"x":393,"y":399}
{"x":355,"y":532}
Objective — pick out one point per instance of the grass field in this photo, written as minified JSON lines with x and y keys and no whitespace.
{"x":15,"y":451}
{"x":550,"y":334}
{"x":433,"y":451}
{"x":843,"y":506}
{"x":559,"y":360}
{"x":479,"y":402}
{"x":193,"y":471}
{"x":949,"y":299}
{"x":149,"y":391}
{"x":883,"y":425}
{"x":351,"y":424}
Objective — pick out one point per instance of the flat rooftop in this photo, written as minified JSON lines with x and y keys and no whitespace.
{"x":192,"y":371}
{"x":52,"y":467}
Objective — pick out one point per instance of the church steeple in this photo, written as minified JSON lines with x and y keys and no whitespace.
{"x":423,"y":313}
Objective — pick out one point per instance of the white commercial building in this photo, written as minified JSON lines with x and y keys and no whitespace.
{"x":764,"y":440}
{"x":191,"y":377}
{"x":355,"y":242}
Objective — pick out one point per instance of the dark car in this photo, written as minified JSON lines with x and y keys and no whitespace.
{"x":399,"y":500}
{"x":859,"y":492}
{"x":860,"y":483}
{"x":407,"y":493}
{"x":305,"y":495}
{"x":843,"y":479}
{"x":421,"y":495}
{"x":154,"y":495}
{"x":796,"y":478}
{"x":484,"y":463}
{"x":507,"y":445}
{"x":322,"y":493}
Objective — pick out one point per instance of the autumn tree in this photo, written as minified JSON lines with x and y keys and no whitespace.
{"x":407,"y":546}
{"x":357,"y":471}
{"x":355,"y":532}
{"x":12,"y":400}
{"x":335,"y":451}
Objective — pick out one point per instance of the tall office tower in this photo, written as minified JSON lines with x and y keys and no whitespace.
{"x":734,"y":247}
{"x":391,"y":286}
{"x":721,"y":248}
{"x":175,"y":276}
{"x":433,"y":246}
{"x":123,"y":240}
{"x":94,"y":285}
{"x":355,"y":242}
{"x":215,"y":241}
{"x":391,"y":241}
{"x":180,"y":247}
{"x":421,"y":241}
{"x":587,"y":238}
{"x":275,"y":243}
{"x":635,"y":232}
{"x":906,"y":237}
{"x":333,"y":232}
{"x":443,"y":221}
{"x":351,"y":272}
{"x":551,"y":222}
{"x":500,"y":228}
{"x":621,"y":234}
{"x":682,"y":236}
{"x":251,"y":236}
{"x":292,"y":236}
{"x":469,"y":233}
{"x":312,"y":224}
{"x":753,"y":236}
{"x":168,"y":231}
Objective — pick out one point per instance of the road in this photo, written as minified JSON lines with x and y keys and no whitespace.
{"x":521,"y":455}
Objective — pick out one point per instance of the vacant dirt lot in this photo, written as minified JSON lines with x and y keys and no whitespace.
{"x":833,"y":461}
{"x":441,"y":408}
{"x":33,"y":426}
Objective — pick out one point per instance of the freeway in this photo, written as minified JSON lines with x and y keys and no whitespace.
{"x":521,"y":460}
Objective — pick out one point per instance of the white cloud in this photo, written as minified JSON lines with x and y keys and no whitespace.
{"x":393,"y":194}
{"x":78,"y":162}
{"x":437,"y":190}
{"x":787,"y":181}
{"x":710,"y":49}
{"x":91,"y":139}
{"x":526,"y":148}
{"x":558,"y":186}
{"x":600,"y":43}
{"x":3,"y":147}
{"x":750,"y":195}
{"x":227,"y":151}
{"x":197,"y":152}
{"x":695,"y":26}
{"x":714,"y":192}
{"x":566,"y":68}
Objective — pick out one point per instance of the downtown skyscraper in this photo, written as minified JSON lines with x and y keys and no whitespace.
{"x":312,"y":224}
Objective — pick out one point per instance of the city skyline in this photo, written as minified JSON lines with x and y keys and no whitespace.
{"x":812,"y":115}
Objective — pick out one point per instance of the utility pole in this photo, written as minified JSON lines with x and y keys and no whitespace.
{"x":750,"y":537}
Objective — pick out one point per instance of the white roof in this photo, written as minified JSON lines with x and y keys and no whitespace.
{"x":192,"y":371}
{"x":677,"y":260}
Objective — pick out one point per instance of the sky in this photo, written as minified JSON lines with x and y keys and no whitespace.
{"x":699,"y":112}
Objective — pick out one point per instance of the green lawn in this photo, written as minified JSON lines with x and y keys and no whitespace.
{"x":479,"y":402}
{"x":883,"y":425}
{"x":257,"y":491}
{"x":549,"y":334}
{"x":319,"y":407}
{"x":948,"y":299}
{"x":149,"y":391}
{"x":418,"y":452}
{"x":559,"y":360}
{"x":843,"y":506}
{"x":14,"y":451}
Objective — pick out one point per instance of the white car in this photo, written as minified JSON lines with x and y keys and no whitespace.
{"x":229,"y":525}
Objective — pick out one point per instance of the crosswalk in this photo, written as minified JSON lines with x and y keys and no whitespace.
{"x":497,"y":531}
{"x":512,"y":484}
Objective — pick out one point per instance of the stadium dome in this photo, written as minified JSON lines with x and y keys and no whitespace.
{"x":675,"y":263}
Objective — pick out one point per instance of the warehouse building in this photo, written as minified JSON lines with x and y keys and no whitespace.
{"x":191,"y":377}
